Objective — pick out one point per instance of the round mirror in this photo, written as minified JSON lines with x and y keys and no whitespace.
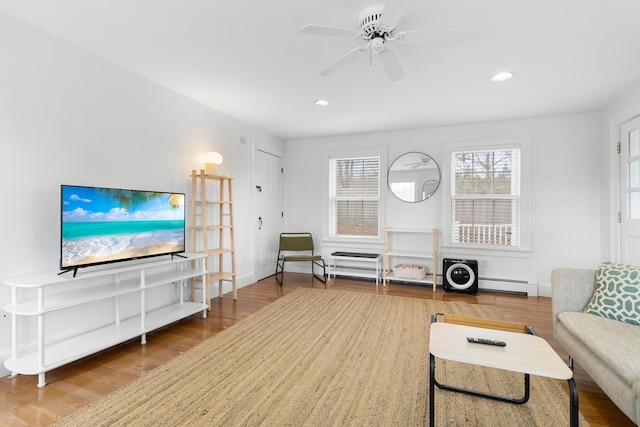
{"x":413,"y":177}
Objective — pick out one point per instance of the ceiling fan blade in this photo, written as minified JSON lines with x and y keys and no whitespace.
{"x":393,"y":14}
{"x":329,"y":31}
{"x":428,"y":36}
{"x":342,"y":61}
{"x":391,"y":65}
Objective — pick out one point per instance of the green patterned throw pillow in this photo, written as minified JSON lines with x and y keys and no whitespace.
{"x":617,"y":294}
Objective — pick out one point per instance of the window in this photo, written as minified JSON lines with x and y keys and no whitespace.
{"x":486,"y":197}
{"x":354,"y":196}
{"x":404,"y":190}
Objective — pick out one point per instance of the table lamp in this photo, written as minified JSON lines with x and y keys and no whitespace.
{"x":211,"y":160}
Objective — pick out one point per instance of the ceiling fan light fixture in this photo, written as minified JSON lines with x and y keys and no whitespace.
{"x":377,"y":44}
{"x":502,"y":76}
{"x":321,"y":102}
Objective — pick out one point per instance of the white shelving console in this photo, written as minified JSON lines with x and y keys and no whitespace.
{"x":394,"y":251}
{"x":358,"y":259}
{"x":39,"y":296}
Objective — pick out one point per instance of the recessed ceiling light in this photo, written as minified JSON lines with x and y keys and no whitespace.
{"x":321,"y":102}
{"x":502,"y":76}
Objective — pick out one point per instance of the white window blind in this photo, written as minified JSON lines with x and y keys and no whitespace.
{"x":485,"y":197}
{"x":354,"y":196}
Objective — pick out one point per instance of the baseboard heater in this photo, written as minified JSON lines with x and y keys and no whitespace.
{"x":510,"y":286}
{"x":525,"y":287}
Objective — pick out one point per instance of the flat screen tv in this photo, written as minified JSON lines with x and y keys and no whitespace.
{"x":104,"y":225}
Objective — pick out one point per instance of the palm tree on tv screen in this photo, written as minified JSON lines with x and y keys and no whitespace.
{"x":128,"y":197}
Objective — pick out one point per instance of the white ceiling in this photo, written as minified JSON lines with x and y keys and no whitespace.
{"x":248,"y":59}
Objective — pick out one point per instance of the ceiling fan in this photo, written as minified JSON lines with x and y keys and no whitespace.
{"x":377,"y":28}
{"x":424,"y":162}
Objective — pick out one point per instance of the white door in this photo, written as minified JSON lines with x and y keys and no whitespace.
{"x":269,"y":220}
{"x":630,"y":194}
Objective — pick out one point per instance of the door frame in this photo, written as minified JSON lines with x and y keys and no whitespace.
{"x":256,"y":146}
{"x":624,"y":232}
{"x":613,"y":194}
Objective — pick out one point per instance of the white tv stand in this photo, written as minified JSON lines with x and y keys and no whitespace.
{"x":41,"y":295}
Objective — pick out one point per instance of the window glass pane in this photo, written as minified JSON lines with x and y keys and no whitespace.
{"x":484,"y":221}
{"x":404,"y":190}
{"x":504,"y":222}
{"x":634,"y":205}
{"x":483,"y":183}
{"x":485,"y":204}
{"x":464,"y":183}
{"x":354,"y":196}
{"x":634,"y":174}
{"x":483,"y":172}
{"x":356,"y":218}
{"x":502,"y":183}
{"x":634,"y":143}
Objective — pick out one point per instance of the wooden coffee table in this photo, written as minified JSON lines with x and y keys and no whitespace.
{"x":525,"y":353}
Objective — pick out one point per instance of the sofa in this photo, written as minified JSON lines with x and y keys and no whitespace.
{"x":605,"y":346}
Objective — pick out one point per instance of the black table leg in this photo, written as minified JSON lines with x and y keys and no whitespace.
{"x":573,"y":396}
{"x":516,"y":401}
{"x":432,"y":390}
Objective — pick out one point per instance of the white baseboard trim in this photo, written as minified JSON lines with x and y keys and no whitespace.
{"x":227,"y":286}
{"x":528,"y":287}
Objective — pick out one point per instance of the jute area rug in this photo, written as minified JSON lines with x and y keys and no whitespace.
{"x":325,"y":358}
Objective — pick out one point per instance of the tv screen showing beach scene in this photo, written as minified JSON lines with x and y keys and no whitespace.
{"x":102,"y":225}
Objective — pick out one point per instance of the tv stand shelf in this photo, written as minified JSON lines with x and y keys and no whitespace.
{"x":41,"y":295}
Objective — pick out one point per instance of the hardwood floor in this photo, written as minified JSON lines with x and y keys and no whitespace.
{"x":76,"y":385}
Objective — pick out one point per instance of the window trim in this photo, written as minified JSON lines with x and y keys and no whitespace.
{"x":524,"y":144}
{"x":381,"y":152}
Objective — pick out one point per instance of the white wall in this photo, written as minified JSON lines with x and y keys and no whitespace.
{"x":68,"y":117}
{"x":566,"y":189}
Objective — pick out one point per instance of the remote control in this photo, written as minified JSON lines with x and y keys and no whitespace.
{"x":486,"y":341}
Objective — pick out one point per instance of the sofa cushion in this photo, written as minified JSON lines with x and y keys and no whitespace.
{"x":617,"y":293}
{"x":615,"y":343}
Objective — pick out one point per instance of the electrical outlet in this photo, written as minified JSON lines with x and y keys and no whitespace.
{"x":5,"y":318}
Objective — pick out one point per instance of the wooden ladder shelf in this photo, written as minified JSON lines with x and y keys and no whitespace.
{"x":212,"y":230}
